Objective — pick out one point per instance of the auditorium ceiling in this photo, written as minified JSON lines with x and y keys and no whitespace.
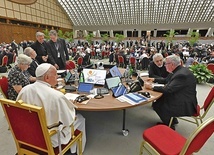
{"x":87,"y":13}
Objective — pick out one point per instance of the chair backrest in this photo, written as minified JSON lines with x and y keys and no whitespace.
{"x":195,"y":142}
{"x":4,"y":61}
{"x":120,"y":59}
{"x":211,"y":67}
{"x":79,"y":61}
{"x":4,"y":86}
{"x":209,"y":100}
{"x":70,"y":65}
{"x":28,"y":126}
{"x":132,"y":60}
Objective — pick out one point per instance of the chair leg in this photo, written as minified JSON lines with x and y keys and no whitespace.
{"x":80,"y":146}
{"x":170,"y":122}
{"x":141,"y":148}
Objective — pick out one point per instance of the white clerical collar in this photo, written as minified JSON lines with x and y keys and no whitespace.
{"x":43,"y":82}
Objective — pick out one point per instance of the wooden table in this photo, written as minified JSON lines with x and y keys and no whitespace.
{"x":109,"y":103}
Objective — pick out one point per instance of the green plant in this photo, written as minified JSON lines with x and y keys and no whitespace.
{"x":46,"y":34}
{"x":60,"y":34}
{"x":194,"y":36}
{"x":89,"y":37}
{"x":201,"y":73}
{"x":170,"y":35}
{"x":119,"y":37}
{"x":69,"y":36}
{"x":105,"y":37}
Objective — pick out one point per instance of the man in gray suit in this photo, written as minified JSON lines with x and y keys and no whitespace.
{"x":58,"y":50}
{"x":179,"y":92}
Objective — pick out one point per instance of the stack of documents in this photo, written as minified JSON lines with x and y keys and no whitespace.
{"x":132,"y":98}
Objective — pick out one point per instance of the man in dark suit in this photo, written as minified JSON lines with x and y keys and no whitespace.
{"x":179,"y":92}
{"x":58,"y":50}
{"x":157,"y":67}
{"x":41,"y":49}
{"x":34,"y":64}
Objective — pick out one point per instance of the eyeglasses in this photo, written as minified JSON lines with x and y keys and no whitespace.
{"x":167,"y":63}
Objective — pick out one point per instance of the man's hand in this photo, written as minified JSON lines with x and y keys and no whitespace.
{"x":148,"y":85}
{"x":45,"y":58}
{"x":56,"y":66}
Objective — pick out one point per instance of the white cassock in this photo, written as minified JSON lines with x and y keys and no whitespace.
{"x":57,"y":108}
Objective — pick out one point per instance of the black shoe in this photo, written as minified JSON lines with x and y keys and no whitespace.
{"x":69,"y":153}
{"x":160,"y":123}
{"x":175,"y":121}
{"x":172,"y":127}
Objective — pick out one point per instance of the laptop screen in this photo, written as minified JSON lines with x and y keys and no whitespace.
{"x":115,"y":72}
{"x":94,"y":76}
{"x":85,"y":87}
{"x":113,"y":82}
{"x":67,"y":77}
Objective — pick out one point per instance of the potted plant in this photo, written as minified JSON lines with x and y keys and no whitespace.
{"x":201,"y":73}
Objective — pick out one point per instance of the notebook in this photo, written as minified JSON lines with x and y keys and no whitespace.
{"x":85,"y":87}
{"x":115,"y":72}
{"x":113,"y":82}
{"x":94,"y":76}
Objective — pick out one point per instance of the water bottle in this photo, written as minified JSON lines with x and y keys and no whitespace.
{"x":76,"y":81}
{"x":126,"y":73}
{"x":81,"y":77}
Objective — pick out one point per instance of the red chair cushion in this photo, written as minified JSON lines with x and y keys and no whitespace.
{"x":164,"y":140}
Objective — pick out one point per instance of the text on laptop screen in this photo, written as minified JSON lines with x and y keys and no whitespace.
{"x":115,"y":72}
{"x":94,"y":76}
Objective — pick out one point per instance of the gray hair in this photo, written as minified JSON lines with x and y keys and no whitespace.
{"x":157,"y":55}
{"x":28,"y":51}
{"x":53,"y":33}
{"x":39,"y":34}
{"x":174,"y":59}
{"x":24,"y":59}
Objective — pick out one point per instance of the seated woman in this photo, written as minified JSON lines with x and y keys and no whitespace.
{"x":18,"y":77}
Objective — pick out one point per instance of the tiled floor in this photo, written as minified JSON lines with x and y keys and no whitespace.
{"x":104,"y":135}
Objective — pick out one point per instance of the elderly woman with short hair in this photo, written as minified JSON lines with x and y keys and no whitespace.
{"x":18,"y":77}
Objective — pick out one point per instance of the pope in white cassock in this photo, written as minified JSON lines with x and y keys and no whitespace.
{"x":57,"y":107}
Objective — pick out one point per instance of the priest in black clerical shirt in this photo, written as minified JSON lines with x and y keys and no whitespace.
{"x":157,"y":68}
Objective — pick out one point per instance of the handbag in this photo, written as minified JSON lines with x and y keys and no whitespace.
{"x":119,"y":90}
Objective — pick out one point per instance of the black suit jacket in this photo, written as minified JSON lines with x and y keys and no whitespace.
{"x":62,"y":50}
{"x":41,"y":50}
{"x":32,"y":68}
{"x":179,"y":94}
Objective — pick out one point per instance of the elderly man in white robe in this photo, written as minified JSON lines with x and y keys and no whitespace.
{"x":57,"y":107}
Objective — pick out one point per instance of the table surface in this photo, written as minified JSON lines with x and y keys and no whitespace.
{"x":109,"y":103}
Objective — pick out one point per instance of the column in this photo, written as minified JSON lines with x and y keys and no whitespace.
{"x":125,"y":33}
{"x":111,"y":34}
{"x":155,"y":33}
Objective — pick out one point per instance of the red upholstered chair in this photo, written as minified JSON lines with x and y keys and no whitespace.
{"x":132,"y":61}
{"x":30,"y":132}
{"x":121,"y":61}
{"x":4,"y":61}
{"x":79,"y":61}
{"x":93,"y":54}
{"x":70,"y":65}
{"x":211,"y":67}
{"x":161,"y":139}
{"x":198,"y":116}
{"x":4,"y":86}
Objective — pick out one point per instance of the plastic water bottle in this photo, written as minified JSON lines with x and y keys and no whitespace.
{"x":76,"y":81}
{"x":81,"y":77}
{"x":126,"y":73}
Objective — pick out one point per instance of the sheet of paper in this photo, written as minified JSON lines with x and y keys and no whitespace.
{"x":157,"y":85}
{"x":71,"y":96}
{"x":60,"y":71}
{"x":144,"y":74}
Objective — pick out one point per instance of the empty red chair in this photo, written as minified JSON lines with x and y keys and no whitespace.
{"x":70,"y":65}
{"x":121,"y":61}
{"x":132,"y":61}
{"x":211,"y":67}
{"x":161,"y":139}
{"x":79,"y":61}
{"x":4,"y":86}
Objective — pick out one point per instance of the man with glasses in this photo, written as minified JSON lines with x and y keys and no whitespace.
{"x":157,"y":68}
{"x":179,"y":92}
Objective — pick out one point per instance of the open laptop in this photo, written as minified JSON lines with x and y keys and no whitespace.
{"x":114,"y":71}
{"x":94,"y":76}
{"x":68,"y":78}
{"x":85,"y":88}
{"x":113,"y":82}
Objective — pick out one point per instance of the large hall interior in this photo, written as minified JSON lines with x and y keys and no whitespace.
{"x":95,"y":35}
